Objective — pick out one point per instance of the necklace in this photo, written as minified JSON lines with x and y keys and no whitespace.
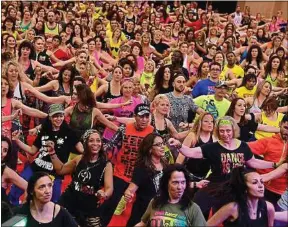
{"x":84,"y":175}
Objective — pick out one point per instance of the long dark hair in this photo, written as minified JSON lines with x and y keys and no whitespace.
{"x":29,"y":45}
{"x":8,"y":157}
{"x":70,"y":68}
{"x":268,"y":67}
{"x":259,"y":58}
{"x":248,"y":77}
{"x":31,"y":184}
{"x":231,"y":110}
{"x":144,"y":154}
{"x":85,"y":95}
{"x":235,"y":190}
{"x":162,"y":197}
{"x":159,"y":77}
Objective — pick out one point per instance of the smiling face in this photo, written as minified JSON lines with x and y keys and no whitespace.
{"x":255,"y":185}
{"x":94,"y":143}
{"x":43,"y":190}
{"x":266,"y":89}
{"x":117,"y":74}
{"x":157,"y":149}
{"x":127,"y":88}
{"x":12,"y":72}
{"x":66,"y":76}
{"x":176,"y":185}
{"x":240,"y":107}
{"x":57,"y":120}
{"x":11,"y":42}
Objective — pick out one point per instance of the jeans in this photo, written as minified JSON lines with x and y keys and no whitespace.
{"x":27,"y":173}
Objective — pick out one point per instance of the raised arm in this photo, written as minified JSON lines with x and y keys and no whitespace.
{"x":225,"y":212}
{"x":281,"y":170}
{"x":30,"y":150}
{"x":189,"y":141}
{"x":48,"y":87}
{"x":28,"y":110}
{"x":195,"y":152}
{"x":14,"y":178}
{"x":98,"y":114}
{"x":259,"y":164}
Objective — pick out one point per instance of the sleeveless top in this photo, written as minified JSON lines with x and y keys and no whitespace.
{"x":18,"y":95}
{"x":30,"y":71}
{"x":267,"y":121}
{"x":87,"y":179}
{"x":198,"y":167}
{"x":52,"y":32}
{"x":81,"y":121}
{"x":261,"y":219}
{"x":60,"y":91}
{"x":165,"y":132}
{"x":7,"y":125}
{"x":24,"y":28}
{"x":108,"y":96}
{"x":255,"y":107}
{"x":244,"y":55}
{"x":237,"y":19}
{"x":273,"y":82}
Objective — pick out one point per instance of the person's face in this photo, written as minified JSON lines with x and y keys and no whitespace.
{"x":27,"y":16}
{"x":213,"y":31}
{"x":157,"y":149}
{"x":266,"y":89}
{"x":63,"y":36}
{"x":4,"y":150}
{"x":260,"y":33}
{"x":94,"y":143}
{"x":127,"y":89}
{"x":157,"y":35}
{"x":66,"y":76}
{"x":219,"y":58}
{"x":167,"y":32}
{"x":4,"y":87}
{"x":231,"y":59}
{"x":130,"y":25}
{"x":43,"y":190}
{"x":11,"y":42}
{"x":179,"y":84}
{"x":51,"y":17}
{"x":91,"y":46}
{"x":277,"y":42}
{"x":117,"y":33}
{"x":207,"y":123}
{"x":13,"y":13}
{"x":184,"y":48}
{"x":55,"y":42}
{"x":117,"y":74}
{"x":253,"y":42}
{"x":240,"y":107}
{"x":142,"y":121}
{"x":176,"y":185}
{"x":251,"y":71}
{"x":82,"y":69}
{"x":212,"y":51}
{"x":146,"y":39}
{"x":30,"y":35}
{"x":149,"y":66}
{"x":157,"y":20}
{"x":57,"y":120}
{"x":25,"y":51}
{"x":215,"y":71}
{"x":205,"y":68}
{"x":39,"y":25}
{"x":136,"y":51}
{"x":226,"y":133}
{"x":229,"y":32}
{"x":84,"y":20}
{"x":77,"y":29}
{"x":41,"y":13}
{"x":9,"y":24}
{"x":224,"y":47}
{"x":221,"y":92}
{"x":284,"y":130}
{"x":254,"y":53}
{"x":138,"y":37}
{"x":176,"y":57}
{"x":280,"y":53}
{"x":127,"y":70}
{"x":39,"y":45}
{"x":275,"y":63}
{"x":182,"y":37}
{"x":163,"y":107}
{"x":69,"y":16}
{"x":12,"y":72}
{"x":82,"y":58}
{"x":255,"y":185}
{"x":167,"y":74}
{"x":250,"y":84}
{"x":114,"y":25}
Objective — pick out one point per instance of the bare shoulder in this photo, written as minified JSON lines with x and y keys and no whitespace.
{"x":270,"y":207}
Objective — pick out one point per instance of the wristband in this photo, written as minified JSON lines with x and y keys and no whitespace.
{"x":275,"y":165}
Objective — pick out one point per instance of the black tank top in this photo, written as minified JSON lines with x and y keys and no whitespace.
{"x":30,"y":72}
{"x":108,"y":96}
{"x":165,"y":132}
{"x":261,"y":219}
{"x":199,"y":167}
{"x":87,"y":179}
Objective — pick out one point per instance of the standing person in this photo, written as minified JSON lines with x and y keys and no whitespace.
{"x":146,"y":176}
{"x":246,"y":207}
{"x":224,"y":155}
{"x":173,"y":205}
{"x":207,"y":86}
{"x":57,"y":130}
{"x":130,"y":135}
{"x":181,"y":104}
{"x":89,"y":171}
{"x":273,"y":149}
{"x":39,"y":209}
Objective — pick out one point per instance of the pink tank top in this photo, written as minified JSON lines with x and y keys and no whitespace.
{"x":7,"y":125}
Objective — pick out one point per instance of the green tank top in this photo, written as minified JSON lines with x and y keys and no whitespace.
{"x":81,"y":121}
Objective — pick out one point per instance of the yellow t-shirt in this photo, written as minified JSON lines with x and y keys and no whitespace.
{"x":266,"y":121}
{"x":236,"y":70}
{"x":243,"y":92}
{"x":114,"y":47}
{"x":109,"y":33}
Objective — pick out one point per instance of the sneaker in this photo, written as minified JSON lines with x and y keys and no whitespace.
{"x":120,"y":207}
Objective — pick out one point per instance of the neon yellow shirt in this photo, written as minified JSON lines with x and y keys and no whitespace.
{"x":243,"y":92}
{"x":266,"y":121}
{"x":236,"y":70}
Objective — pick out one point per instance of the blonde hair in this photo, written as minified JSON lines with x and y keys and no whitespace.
{"x":157,"y":100}
{"x":197,"y":127}
{"x":235,"y":127}
{"x":5,"y":67}
{"x":153,"y":62}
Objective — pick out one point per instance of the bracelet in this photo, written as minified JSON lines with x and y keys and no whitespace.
{"x":274,"y":165}
{"x":194,"y":185}
{"x":52,"y":154}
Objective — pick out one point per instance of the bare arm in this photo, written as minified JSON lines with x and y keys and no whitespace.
{"x":267,"y":128}
{"x":101,"y":90}
{"x":275,"y":173}
{"x":174,"y":133}
{"x":229,"y":210}
{"x":108,"y":180}
{"x":130,"y":191}
{"x":48,"y":87}
{"x":30,"y":150}
{"x":270,"y":214}
{"x":14,"y":178}
{"x":195,"y":152}
{"x":28,"y":110}
{"x":259,"y":164}
{"x":140,"y":224}
{"x":189,"y":141}
{"x":98,"y":114}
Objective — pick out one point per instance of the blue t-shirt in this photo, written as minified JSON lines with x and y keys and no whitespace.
{"x":204,"y":87}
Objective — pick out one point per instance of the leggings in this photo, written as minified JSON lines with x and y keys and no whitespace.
{"x":27,"y":173}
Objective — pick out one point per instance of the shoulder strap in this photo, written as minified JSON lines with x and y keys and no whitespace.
{"x":53,"y":217}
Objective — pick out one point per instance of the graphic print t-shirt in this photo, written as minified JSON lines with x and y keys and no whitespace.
{"x":171,"y":215}
{"x":223,"y":161}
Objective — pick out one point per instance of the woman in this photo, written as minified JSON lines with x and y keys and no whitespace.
{"x":137,"y":51}
{"x":8,"y":175}
{"x":223,"y":156}
{"x":26,"y":23}
{"x":173,"y":204}
{"x":112,"y":89}
{"x":77,"y":36}
{"x":38,"y":209}
{"x":202,"y":73}
{"x":246,"y":207}
{"x":10,"y":46}
{"x":9,"y":27}
{"x":57,"y":130}
{"x":220,"y":58}
{"x":247,"y":122}
{"x":200,"y":134}
{"x":84,"y":204}
{"x":146,"y":176}
{"x":162,"y":82}
{"x":274,"y":71}
{"x":148,"y":50}
{"x":115,"y":42}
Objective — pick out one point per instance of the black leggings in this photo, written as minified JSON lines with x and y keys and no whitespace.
{"x":109,"y":206}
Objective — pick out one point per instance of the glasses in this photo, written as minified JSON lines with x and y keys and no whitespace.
{"x":216,"y":70}
{"x":160,"y":144}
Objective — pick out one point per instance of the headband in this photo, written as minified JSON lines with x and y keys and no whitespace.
{"x":88,"y":133}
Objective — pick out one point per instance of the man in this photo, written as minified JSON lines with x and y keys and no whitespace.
{"x":129,"y":30}
{"x":231,"y":70}
{"x":273,"y":149}
{"x":178,"y":209}
{"x":207,"y":86}
{"x":248,"y":86}
{"x":181,"y":104}
{"x":211,"y":50}
{"x":176,"y":66}
{"x":216,"y":104}
{"x":51,"y":28}
{"x":130,"y":136}
{"x":237,"y":16}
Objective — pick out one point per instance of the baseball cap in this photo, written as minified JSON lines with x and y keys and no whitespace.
{"x":142,"y":109}
{"x":55,"y":108}
{"x":220,"y":84}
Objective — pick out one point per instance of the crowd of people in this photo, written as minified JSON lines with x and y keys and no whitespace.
{"x":179,"y":110}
